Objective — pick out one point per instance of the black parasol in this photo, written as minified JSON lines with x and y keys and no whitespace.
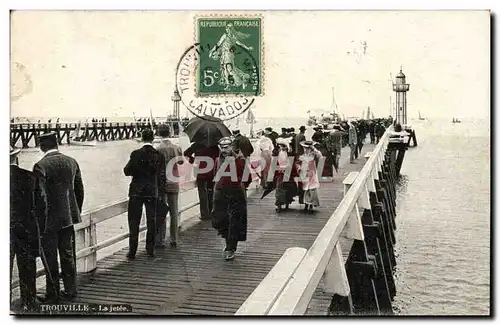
{"x":271,"y":186}
{"x":206,"y":130}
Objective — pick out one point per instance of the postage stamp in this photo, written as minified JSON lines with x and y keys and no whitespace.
{"x":220,"y":75}
{"x":227,"y":66}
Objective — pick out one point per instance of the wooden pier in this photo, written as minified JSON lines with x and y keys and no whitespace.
{"x":293,"y":263}
{"x":25,"y":135}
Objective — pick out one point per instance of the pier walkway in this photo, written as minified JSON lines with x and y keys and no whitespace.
{"x":194,"y":279}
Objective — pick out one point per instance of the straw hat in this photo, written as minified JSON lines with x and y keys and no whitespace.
{"x":308,"y":144}
{"x":282,"y":141}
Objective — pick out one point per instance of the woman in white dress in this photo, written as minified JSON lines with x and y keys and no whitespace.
{"x":308,"y":174}
{"x":266,"y":147}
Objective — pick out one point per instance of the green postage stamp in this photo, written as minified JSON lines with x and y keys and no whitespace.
{"x":230,"y":63}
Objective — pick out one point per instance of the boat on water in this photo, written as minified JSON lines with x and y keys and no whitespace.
{"x":420,"y":117}
{"x":456,"y":120}
{"x":77,"y":138}
{"x":73,"y":142}
{"x":329,"y":118}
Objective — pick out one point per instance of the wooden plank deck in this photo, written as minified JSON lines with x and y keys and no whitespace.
{"x":194,"y":279}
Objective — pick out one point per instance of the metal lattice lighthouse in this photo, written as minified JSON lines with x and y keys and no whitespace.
{"x":176,"y":98}
{"x":400,"y":87}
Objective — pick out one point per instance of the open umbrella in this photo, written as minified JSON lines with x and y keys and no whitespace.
{"x":271,"y":186}
{"x":206,"y":131}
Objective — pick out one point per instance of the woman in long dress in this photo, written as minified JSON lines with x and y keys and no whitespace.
{"x":229,"y":214}
{"x":308,"y":174}
{"x":286,"y":186}
{"x":266,"y":147}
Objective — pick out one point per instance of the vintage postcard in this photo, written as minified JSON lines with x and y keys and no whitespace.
{"x":259,"y":163}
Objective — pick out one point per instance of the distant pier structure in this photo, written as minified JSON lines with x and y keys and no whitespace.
{"x":25,"y":135}
{"x":401,"y":87}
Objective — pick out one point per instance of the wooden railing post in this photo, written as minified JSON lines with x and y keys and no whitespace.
{"x":264,"y":296}
{"x":383,"y":241}
{"x":336,"y":282}
{"x":91,"y":260}
{"x":80,"y":244}
{"x":86,"y":238}
{"x":361,"y":268}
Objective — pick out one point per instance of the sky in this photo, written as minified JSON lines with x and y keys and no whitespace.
{"x":110,"y":63}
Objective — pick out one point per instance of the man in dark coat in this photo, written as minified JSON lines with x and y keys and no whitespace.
{"x":147,"y":168}
{"x":27,"y":211}
{"x":292,"y":135}
{"x":62,"y":181}
{"x":242,"y":143}
{"x":318,"y":134}
{"x":273,"y":136}
{"x":170,"y":202}
{"x":204,"y":180}
{"x":284,"y":133}
{"x":299,"y":150}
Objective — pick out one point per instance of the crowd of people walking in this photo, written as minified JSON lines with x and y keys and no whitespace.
{"x":47,"y":202}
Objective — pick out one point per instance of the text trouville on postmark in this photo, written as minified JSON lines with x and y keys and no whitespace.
{"x":220,"y":75}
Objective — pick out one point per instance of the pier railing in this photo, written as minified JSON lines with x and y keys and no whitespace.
{"x":289,"y":286}
{"x":86,"y":232}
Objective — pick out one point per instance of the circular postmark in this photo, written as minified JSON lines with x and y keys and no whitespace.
{"x":215,"y":87}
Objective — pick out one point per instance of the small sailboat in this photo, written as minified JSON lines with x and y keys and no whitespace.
{"x":76,"y":139}
{"x":456,"y":120}
{"x":420,"y":117}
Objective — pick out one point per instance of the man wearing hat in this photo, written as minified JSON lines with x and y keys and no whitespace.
{"x":318,"y":134}
{"x":169,"y":202}
{"x":62,"y":181}
{"x":299,"y":150}
{"x":147,"y":168}
{"x":353,"y":142}
{"x":284,"y":133}
{"x":27,"y":209}
{"x":242,"y":143}
{"x":273,"y":136}
{"x":292,"y":135}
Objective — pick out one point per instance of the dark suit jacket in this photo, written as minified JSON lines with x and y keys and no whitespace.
{"x":299,"y":150}
{"x":196,"y":150}
{"x":243,"y":143}
{"x":27,"y":200}
{"x":63,"y":185}
{"x":147,"y":168}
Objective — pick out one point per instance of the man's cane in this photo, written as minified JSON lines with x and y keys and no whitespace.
{"x":39,"y":237}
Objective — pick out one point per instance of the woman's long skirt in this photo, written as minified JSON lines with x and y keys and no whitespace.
{"x":328,"y":166}
{"x":285,"y":191}
{"x":266,"y":161}
{"x":311,"y":197}
{"x":229,"y":214}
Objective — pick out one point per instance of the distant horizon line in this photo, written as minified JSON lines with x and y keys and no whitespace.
{"x":111,"y":119}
